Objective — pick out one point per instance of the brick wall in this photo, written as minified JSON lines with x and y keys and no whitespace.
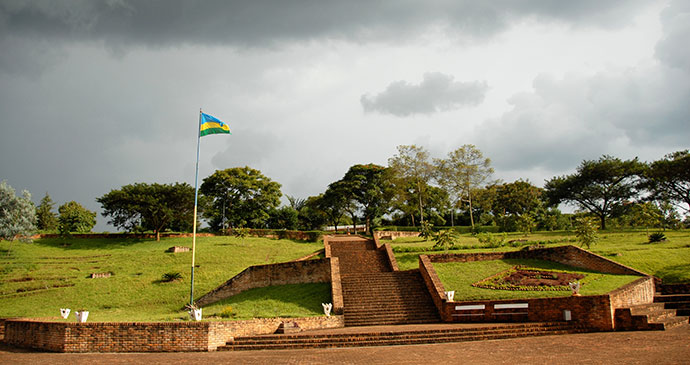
{"x":640,"y":291}
{"x":392,"y":235}
{"x":222,"y":332}
{"x":568,"y":255}
{"x":592,"y":311}
{"x":336,"y":287}
{"x":2,"y":329}
{"x":145,"y":337}
{"x":295,"y":272}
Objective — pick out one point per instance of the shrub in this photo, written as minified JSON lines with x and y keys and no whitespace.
{"x":241,"y":232}
{"x":445,"y":239}
{"x":586,"y":231}
{"x":427,"y":230}
{"x":657,"y":237}
{"x":491,"y":240}
{"x":171,"y":276}
{"x":227,"y":312}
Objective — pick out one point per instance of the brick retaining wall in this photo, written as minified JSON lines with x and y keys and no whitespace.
{"x":591,"y":311}
{"x":640,"y":291}
{"x":392,"y":235}
{"x":259,"y":276}
{"x":145,"y":337}
{"x":567,"y":255}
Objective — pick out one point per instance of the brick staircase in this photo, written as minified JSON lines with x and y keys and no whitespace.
{"x":679,"y":302}
{"x":374,"y":294}
{"x":401,"y":335}
{"x":398,"y":297}
{"x":651,"y":316}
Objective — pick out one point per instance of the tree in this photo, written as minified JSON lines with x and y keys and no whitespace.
{"x":242,"y":196}
{"x":75,"y":218}
{"x":17,"y":214}
{"x":517,"y":198}
{"x":155,"y":207}
{"x":369,"y":186}
{"x":411,"y":168}
{"x":335,"y":202}
{"x":586,"y":231}
{"x":599,"y":187}
{"x":46,"y":218}
{"x":669,"y":178}
{"x":464,"y":171}
{"x":283,"y":218}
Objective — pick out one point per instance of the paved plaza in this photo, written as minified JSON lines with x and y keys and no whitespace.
{"x":641,"y":347}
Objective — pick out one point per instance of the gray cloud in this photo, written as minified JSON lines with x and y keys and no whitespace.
{"x":160,"y":22}
{"x":673,"y":49}
{"x":436,"y":93}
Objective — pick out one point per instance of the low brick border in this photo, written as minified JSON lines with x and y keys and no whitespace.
{"x":145,"y":336}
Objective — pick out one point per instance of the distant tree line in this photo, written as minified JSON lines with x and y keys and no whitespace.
{"x":413,"y":189}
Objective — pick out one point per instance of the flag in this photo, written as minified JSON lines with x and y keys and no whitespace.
{"x":211,"y":125}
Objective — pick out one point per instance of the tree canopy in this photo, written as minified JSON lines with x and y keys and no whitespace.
{"x":46,"y":217}
{"x":240,"y":196}
{"x":463,"y":172}
{"x":600,"y":187}
{"x":75,"y":218}
{"x":411,"y":168}
{"x":17,"y":213}
{"x":370,"y":188}
{"x":155,"y":207}
{"x":669,"y":179}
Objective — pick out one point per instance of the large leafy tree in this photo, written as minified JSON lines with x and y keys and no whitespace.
{"x":462,"y":173}
{"x":517,"y":198}
{"x":17,"y":213}
{"x":411,"y":168}
{"x":46,"y":217}
{"x":600,"y":187}
{"x":75,"y":218}
{"x":335,"y":202}
{"x":669,"y":179}
{"x":370,"y":188}
{"x":153,"y":207}
{"x":240,"y":196}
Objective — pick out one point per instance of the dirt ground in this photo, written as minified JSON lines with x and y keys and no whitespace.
{"x":650,"y":347}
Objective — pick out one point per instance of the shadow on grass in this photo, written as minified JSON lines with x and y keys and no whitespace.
{"x":90,"y":243}
{"x":676,"y":274}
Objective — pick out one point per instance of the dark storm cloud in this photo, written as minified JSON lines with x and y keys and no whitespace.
{"x":262,"y":22}
{"x":437,"y":92}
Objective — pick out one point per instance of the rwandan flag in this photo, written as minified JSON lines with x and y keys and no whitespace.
{"x":211,"y":125}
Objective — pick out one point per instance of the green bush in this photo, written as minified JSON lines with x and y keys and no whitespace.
{"x":227,"y":312}
{"x":491,"y":240}
{"x":171,"y":276}
{"x":657,"y":237}
{"x":241,"y":232}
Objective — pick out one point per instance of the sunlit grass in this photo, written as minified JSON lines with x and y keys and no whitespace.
{"x":36,"y":279}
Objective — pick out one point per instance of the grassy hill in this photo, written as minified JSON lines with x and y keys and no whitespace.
{"x":36,"y":279}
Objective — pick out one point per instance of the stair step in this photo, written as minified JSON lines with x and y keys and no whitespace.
{"x":393,"y":338}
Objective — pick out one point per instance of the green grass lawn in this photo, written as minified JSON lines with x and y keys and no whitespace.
{"x":293,"y":300}
{"x":459,"y":276}
{"x":668,"y":260}
{"x":36,"y":279}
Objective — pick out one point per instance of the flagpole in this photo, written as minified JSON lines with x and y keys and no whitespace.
{"x":196,"y":196}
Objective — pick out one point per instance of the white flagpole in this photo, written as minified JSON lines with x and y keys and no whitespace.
{"x":196,"y":196}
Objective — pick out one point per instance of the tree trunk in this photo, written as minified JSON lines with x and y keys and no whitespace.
{"x":603,"y":221}
{"x":368,"y":227}
{"x":421,"y":208}
{"x":471,"y":215}
{"x":158,"y":236}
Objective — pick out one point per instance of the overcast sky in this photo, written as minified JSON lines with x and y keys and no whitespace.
{"x":98,"y":94}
